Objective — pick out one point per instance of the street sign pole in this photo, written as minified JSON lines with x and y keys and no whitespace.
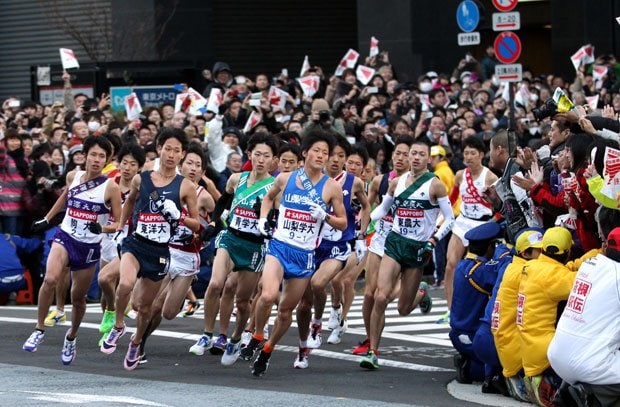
{"x":511,"y":108}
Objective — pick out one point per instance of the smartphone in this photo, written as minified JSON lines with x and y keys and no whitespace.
{"x":372,"y":89}
{"x":468,"y":57}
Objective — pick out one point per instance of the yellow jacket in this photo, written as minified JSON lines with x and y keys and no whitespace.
{"x":446,"y":175}
{"x":503,"y":319}
{"x":544,"y":283}
{"x":595,"y":185}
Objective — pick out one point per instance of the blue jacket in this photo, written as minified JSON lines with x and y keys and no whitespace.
{"x":474,"y":279}
{"x":10,"y":246}
{"x":501,"y":259}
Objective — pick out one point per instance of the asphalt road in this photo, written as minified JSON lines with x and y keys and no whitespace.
{"x":416,"y":368}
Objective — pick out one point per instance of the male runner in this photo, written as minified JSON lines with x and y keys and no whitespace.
{"x":131,"y":158}
{"x":184,"y":252}
{"x":383,"y":226}
{"x":77,"y":244}
{"x":474,"y":211}
{"x":303,"y":198}
{"x":416,"y":199}
{"x":155,"y":199}
{"x":240,"y":248}
{"x":332,"y":253}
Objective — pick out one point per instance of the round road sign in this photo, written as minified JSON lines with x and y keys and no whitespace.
{"x":467,"y":16}
{"x":507,"y":47}
{"x":505,"y":5}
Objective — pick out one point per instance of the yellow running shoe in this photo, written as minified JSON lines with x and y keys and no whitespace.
{"x":54,"y":317}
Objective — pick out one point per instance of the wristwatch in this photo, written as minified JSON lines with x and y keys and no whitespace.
{"x":327,"y":218}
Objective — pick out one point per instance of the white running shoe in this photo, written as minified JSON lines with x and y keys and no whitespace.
{"x":33,"y":341}
{"x":301,"y":360}
{"x":336,"y":336}
{"x":246,"y":337}
{"x":204,"y":343}
{"x":69,"y":351}
{"x":231,"y":354}
{"x":315,"y":339}
{"x":334,"y":318}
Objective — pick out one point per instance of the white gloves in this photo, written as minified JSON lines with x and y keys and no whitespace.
{"x":543,"y":152}
{"x":170,"y":209}
{"x":360,"y":249}
{"x":264,"y":228}
{"x":317,"y":212}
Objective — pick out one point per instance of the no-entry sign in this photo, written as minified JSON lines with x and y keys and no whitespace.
{"x":507,"y":47}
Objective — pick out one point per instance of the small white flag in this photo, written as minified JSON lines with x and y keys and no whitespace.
{"x":364,"y":74}
{"x":68,"y":58}
{"x":505,"y":92}
{"x":374,"y":47}
{"x":191,"y":102}
{"x":598,"y":71}
{"x":133,"y":108}
{"x":277,"y":97}
{"x":215,"y":100}
{"x":592,"y":102}
{"x":523,"y":96}
{"x":309,"y":84}
{"x":348,"y":61}
{"x":583,"y":56}
{"x":611,"y":173}
{"x":305,"y":66}
{"x":252,"y":122}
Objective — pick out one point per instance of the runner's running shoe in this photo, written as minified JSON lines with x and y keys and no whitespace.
{"x":246,"y":337}
{"x":219,"y":346}
{"x":132,"y":357}
{"x":191,"y":308}
{"x":426,"y":305}
{"x":33,"y":342}
{"x":301,"y":361}
{"x":55,"y":317}
{"x":315,"y":340}
{"x":107,"y":322}
{"x":109,"y":344}
{"x":248,"y":352}
{"x":336,"y":336}
{"x":204,"y":343}
{"x":231,"y":354}
{"x":362,"y":348}
{"x":370,"y":361}
{"x":445,"y":318}
{"x":69,"y":351}
{"x":261,"y":364}
{"x":334,"y":318}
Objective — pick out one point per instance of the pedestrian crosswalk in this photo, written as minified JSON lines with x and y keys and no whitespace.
{"x":414,"y":327}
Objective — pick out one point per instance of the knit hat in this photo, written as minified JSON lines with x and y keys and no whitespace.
{"x":319,"y":104}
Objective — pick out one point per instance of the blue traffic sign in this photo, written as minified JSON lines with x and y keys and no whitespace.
{"x":467,"y":16}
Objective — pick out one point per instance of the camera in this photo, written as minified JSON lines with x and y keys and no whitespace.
{"x":324,"y":115}
{"x":548,"y":109}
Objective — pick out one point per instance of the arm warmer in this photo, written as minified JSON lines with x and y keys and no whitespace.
{"x":446,"y":210}
{"x":383,"y":208}
{"x":223,"y":203}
